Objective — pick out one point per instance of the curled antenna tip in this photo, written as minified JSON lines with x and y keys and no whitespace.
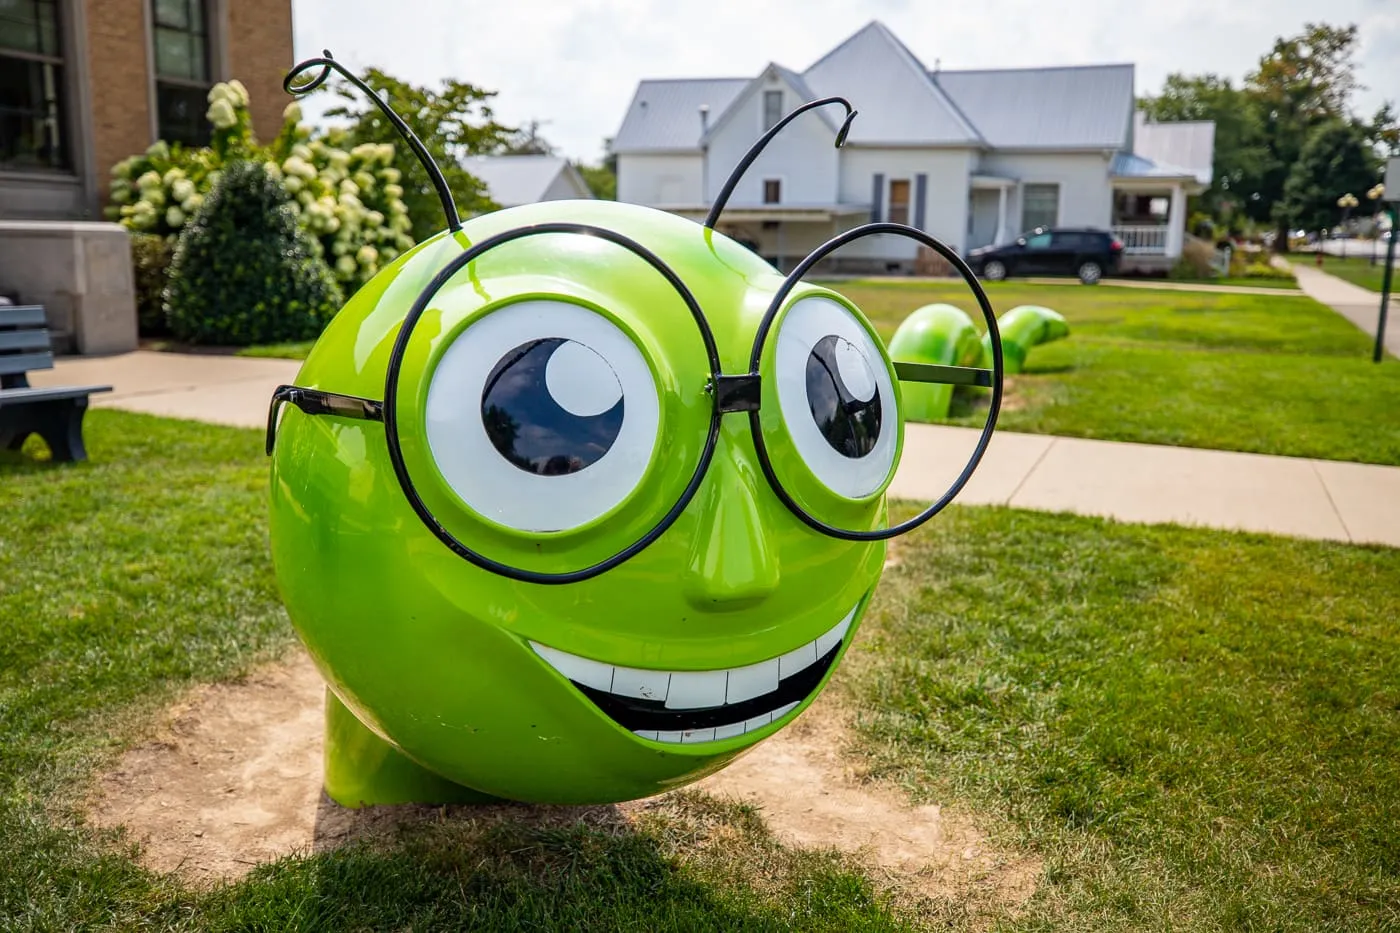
{"x":845,"y":129}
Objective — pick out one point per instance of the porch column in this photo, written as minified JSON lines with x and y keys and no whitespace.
{"x":1176,"y":222}
{"x":1000,"y":237}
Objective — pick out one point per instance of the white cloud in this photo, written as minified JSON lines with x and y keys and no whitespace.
{"x":573,"y":64}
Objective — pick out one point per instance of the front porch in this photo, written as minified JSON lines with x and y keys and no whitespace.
{"x":1149,"y":212}
{"x":784,"y":235}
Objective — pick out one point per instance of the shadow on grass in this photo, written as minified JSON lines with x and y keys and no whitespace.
{"x":530,"y":868}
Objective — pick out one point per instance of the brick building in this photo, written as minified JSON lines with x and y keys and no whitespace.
{"x":86,"y":83}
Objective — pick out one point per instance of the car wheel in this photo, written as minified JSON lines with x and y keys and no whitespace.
{"x":1090,"y":273}
{"x":994,"y":271}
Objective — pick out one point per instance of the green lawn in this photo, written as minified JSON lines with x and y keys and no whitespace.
{"x":1359,"y":271}
{"x":1274,"y":375}
{"x":1242,"y":281}
{"x":296,"y":350}
{"x":1196,"y":730}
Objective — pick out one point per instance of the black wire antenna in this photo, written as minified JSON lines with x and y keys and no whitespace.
{"x":327,"y":64}
{"x":759,"y":146}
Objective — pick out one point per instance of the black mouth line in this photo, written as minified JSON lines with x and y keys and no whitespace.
{"x":639,"y":715}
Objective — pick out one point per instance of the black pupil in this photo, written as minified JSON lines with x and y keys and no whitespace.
{"x":529,"y":426}
{"x":851,"y":426}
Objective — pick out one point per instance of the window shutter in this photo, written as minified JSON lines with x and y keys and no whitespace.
{"x":920,"y":196}
{"x":877,"y":199}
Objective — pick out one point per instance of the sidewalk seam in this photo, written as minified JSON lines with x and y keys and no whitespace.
{"x":1351,"y":539}
{"x":1054,"y":439}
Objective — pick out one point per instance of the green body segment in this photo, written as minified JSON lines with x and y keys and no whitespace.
{"x":1025,"y":327}
{"x":438,"y":694}
{"x":941,"y":334}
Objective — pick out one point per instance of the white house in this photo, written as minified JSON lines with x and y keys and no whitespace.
{"x":971,"y":157}
{"x":525,"y":179}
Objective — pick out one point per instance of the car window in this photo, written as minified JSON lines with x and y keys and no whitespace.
{"x":1039,"y":241}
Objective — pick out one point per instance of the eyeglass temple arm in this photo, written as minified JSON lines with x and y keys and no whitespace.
{"x":316,"y":402}
{"x":947,"y":375}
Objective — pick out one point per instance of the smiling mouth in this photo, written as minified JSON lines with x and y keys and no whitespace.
{"x":687,"y":707}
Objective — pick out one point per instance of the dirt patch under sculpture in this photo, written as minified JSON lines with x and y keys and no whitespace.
{"x":234,"y":779}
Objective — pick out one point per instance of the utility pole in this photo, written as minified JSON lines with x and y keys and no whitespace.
{"x":1391,"y":192}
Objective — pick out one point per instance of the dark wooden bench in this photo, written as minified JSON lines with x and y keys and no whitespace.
{"x":54,"y":414}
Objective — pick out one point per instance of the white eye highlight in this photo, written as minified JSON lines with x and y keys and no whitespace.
{"x":542,"y":416}
{"x":836,"y":396}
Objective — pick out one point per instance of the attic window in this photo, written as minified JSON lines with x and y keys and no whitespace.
{"x":772,"y":191}
{"x":772,"y":109}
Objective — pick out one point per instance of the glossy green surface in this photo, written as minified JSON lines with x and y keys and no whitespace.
{"x":940,"y":334}
{"x":432,"y":654}
{"x":1024,"y":327}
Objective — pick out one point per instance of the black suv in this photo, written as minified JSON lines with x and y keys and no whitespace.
{"x":1087,"y":253}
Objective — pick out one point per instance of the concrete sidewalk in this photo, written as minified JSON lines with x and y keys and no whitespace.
{"x":1359,"y":305}
{"x":1320,"y":499}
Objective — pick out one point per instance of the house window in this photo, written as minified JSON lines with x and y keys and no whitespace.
{"x":772,"y":109}
{"x":32,"y":110}
{"x":1040,"y":206}
{"x":772,"y":191}
{"x":183,"y":71}
{"x":899,"y":201}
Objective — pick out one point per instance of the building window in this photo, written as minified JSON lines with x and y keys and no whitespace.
{"x":772,"y":191}
{"x":899,"y":201}
{"x":1040,"y":206}
{"x":772,"y":109}
{"x":32,"y":111}
{"x":183,"y":71}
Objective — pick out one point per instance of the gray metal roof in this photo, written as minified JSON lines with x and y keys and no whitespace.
{"x":890,"y":88}
{"x":1082,"y":107}
{"x":523,"y":179}
{"x":1127,"y":165}
{"x":902,"y":103}
{"x":665,"y":114}
{"x":1189,"y":144}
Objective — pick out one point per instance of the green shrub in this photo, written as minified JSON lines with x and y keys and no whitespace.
{"x":244,"y":272}
{"x":1197,"y":261}
{"x":150,"y":261}
{"x":1262,"y":270}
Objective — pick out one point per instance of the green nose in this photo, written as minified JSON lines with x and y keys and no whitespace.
{"x":733,"y":564}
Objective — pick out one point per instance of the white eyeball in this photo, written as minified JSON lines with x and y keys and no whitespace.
{"x":543,"y":416}
{"x":836,"y":396}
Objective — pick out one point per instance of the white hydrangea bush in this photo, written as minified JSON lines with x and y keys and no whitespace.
{"x":349,"y":199}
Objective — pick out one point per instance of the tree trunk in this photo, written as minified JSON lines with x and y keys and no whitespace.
{"x":1281,"y":237}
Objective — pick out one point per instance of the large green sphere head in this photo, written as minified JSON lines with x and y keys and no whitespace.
{"x":553,"y":404}
{"x":580,"y":500}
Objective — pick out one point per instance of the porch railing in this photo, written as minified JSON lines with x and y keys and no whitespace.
{"x":1142,"y":239}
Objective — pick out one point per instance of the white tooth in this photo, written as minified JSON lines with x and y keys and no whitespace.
{"x":782,"y":711}
{"x":647,"y":734}
{"x":798,"y":660}
{"x":673,"y":737}
{"x":833,"y":638}
{"x":745,"y":683}
{"x":645,"y":685}
{"x":581,"y":670}
{"x":728,"y":732}
{"x":691,"y":736}
{"x":695,"y":689}
{"x":758,"y":722}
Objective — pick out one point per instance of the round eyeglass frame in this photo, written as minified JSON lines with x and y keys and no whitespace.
{"x":765,"y":327}
{"x":391,"y":421}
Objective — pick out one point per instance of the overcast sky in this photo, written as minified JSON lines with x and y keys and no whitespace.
{"x":573,"y":64}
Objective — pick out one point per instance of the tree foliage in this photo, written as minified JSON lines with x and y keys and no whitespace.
{"x":1300,"y":89}
{"x":1336,"y":158}
{"x":453,"y":121}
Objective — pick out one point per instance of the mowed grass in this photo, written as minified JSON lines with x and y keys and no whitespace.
{"x":1359,"y":270}
{"x":144,"y":571}
{"x":296,"y":350}
{"x":1196,"y":730}
{"x":1274,"y":375}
